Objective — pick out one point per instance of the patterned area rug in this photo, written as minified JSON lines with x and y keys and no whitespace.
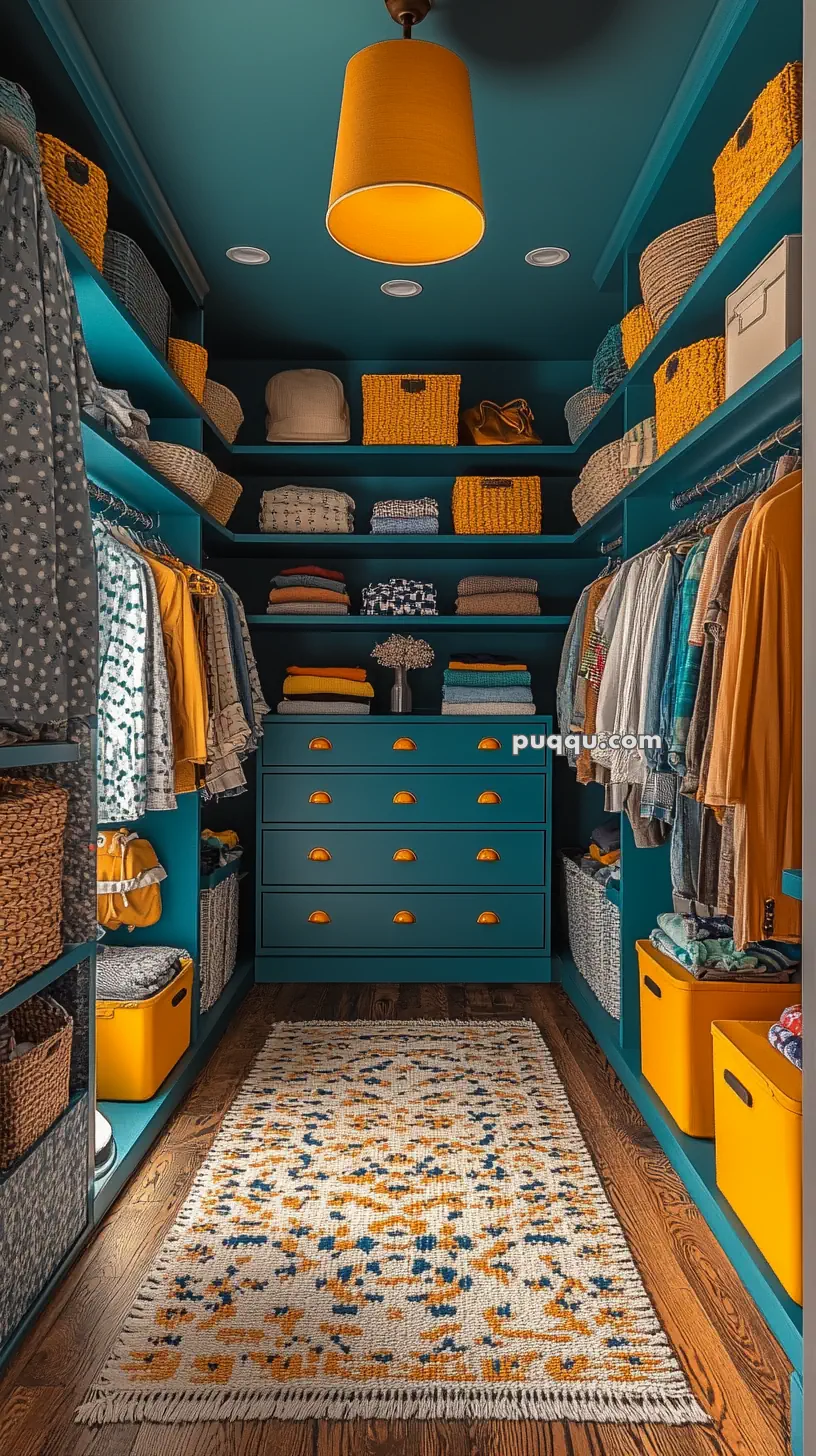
{"x":398,"y":1219}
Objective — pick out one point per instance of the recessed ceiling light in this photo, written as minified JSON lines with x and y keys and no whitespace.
{"x":251,"y":256}
{"x":401,"y":288}
{"x":546,"y":257}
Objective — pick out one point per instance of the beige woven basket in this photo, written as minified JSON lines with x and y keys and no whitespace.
{"x":226,"y":494}
{"x":34,"y":1088}
{"x":224,"y":409}
{"x":602,"y":478}
{"x":32,"y":827}
{"x":187,"y":469}
{"x":670,"y":264}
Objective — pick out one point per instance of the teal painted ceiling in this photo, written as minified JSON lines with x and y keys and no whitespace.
{"x":235,"y":106}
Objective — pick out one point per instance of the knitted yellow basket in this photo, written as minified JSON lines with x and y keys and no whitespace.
{"x":78,"y":192}
{"x":190,"y":363}
{"x":637,"y":332}
{"x":411,"y":409}
{"x":493,"y":505}
{"x":769,"y":133}
{"x":688,"y":387}
{"x":225,"y":496}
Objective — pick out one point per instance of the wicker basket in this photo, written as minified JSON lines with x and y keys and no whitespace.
{"x":497,"y":505}
{"x":18,"y":124}
{"x":34,"y":1087}
{"x":602,"y":478}
{"x":223,"y":409}
{"x":136,"y":282}
{"x":225,"y":496}
{"x":78,"y":192}
{"x":769,"y":133}
{"x":219,"y":938}
{"x":33,"y":816}
{"x":637,"y":332}
{"x":594,"y":934}
{"x":688,"y":387}
{"x":670,"y":264}
{"x":581,"y":409}
{"x":609,"y":364}
{"x":411,"y":409}
{"x":190,"y":363}
{"x":187,"y":469}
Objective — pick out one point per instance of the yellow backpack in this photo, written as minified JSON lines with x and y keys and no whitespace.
{"x":127,"y":880}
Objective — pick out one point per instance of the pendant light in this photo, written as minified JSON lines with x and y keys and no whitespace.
{"x":406,"y":185}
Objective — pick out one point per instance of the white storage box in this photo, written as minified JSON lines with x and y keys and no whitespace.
{"x":764,"y":315}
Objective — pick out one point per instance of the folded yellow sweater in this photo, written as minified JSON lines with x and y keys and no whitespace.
{"x":318,"y":685}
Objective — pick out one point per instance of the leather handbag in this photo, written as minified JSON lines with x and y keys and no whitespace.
{"x":498,"y":424}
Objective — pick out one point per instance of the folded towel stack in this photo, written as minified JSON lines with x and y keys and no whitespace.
{"x":498,"y":596}
{"x":326,"y":690}
{"x":706,"y":948}
{"x":309,"y":590}
{"x":399,"y":597}
{"x":405,"y":517}
{"x":305,"y":510}
{"x":487,"y":684}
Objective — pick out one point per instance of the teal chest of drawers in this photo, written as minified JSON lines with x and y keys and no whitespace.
{"x":403,"y":849}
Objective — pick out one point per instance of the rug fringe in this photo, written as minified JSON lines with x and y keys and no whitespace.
{"x":437,"y":1402}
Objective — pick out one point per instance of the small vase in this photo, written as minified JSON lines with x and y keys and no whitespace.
{"x":400,"y":692}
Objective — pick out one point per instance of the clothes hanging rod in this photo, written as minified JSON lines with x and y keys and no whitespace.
{"x":703,"y":487}
{"x":607,"y":546}
{"x":112,"y":502}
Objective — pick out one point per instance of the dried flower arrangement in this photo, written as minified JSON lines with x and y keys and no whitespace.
{"x":402,"y":653}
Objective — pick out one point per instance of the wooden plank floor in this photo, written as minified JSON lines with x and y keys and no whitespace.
{"x":736,"y":1369}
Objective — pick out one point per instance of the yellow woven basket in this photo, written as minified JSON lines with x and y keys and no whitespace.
{"x":78,"y":192}
{"x":493,"y":505}
{"x":637,"y":331}
{"x":190,"y":363}
{"x":225,"y":496}
{"x":769,"y":133}
{"x":688,"y":387}
{"x":411,"y":409}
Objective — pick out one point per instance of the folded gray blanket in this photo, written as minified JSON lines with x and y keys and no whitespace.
{"x":318,"y":705}
{"x":135,"y":972}
{"x":490,"y":710}
{"x":298,"y":579}
{"x":471,"y":586}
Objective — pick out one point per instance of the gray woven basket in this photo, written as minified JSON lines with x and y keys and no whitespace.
{"x":581,"y":409}
{"x":670,"y":264}
{"x":603,"y":476}
{"x":594,"y":934}
{"x":187,"y":469}
{"x":135,"y":281}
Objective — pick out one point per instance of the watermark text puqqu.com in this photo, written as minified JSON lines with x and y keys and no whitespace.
{"x":563,"y":743}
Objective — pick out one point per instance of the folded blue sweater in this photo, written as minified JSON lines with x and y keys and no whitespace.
{"x":486,"y":695}
{"x":457,"y":677}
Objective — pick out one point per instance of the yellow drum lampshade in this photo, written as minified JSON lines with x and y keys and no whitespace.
{"x":406,"y":186}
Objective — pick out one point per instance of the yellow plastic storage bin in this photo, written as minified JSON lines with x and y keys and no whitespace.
{"x":676,"y":1012}
{"x":139,"y":1042}
{"x":758,"y":1115}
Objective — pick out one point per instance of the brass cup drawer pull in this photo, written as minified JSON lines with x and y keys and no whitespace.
{"x":488,"y":917}
{"x":319,"y":854}
{"x":404,"y":796}
{"x":405,"y":744}
{"x":321,"y":743}
{"x":490,"y":743}
{"x":320,"y":797}
{"x":404,"y":917}
{"x":488,"y":854}
{"x":319,"y":917}
{"x":404,"y":854}
{"x":489,"y":797}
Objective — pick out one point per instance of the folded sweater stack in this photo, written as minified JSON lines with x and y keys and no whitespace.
{"x":706,"y":948}
{"x":305,"y":510}
{"x":498,"y":596}
{"x":786,"y":1035}
{"x":326,"y":690}
{"x":399,"y":597}
{"x":485,"y":684}
{"x":405,"y":517}
{"x":309,"y":591}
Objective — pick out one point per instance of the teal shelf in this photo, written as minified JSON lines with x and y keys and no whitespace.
{"x":228,"y":543}
{"x":125,"y":473}
{"x":792,"y":883}
{"x":388,"y":624}
{"x":136,"y":1125}
{"x":412,"y":459}
{"x":693,"y":1161}
{"x":19,"y":755}
{"x":41,"y":980}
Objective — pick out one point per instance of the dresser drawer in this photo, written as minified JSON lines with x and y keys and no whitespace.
{"x":406,"y":798}
{"x":403,"y":858}
{"x":408,"y":741}
{"x":404,"y":921}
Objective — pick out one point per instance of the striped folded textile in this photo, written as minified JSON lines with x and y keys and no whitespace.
{"x":498,"y":604}
{"x":470,"y":678}
{"x":307,"y":594}
{"x":490,"y":710}
{"x":320,"y":583}
{"x":317,"y":685}
{"x":317,"y":705}
{"x":324,"y":571}
{"x":487,"y":695}
{"x":425,"y":505}
{"x":472,"y":586}
{"x":307,"y":609}
{"x":404,"y":526}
